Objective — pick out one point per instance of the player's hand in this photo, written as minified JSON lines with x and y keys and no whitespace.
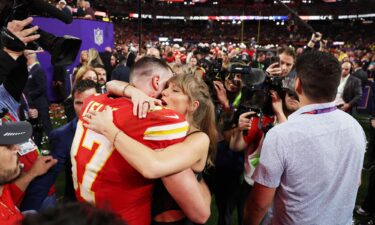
{"x":42,"y":165}
{"x":277,"y":104}
{"x":16,"y":27}
{"x":142,"y":103}
{"x":244,"y":123}
{"x":221,"y":94}
{"x":99,"y":122}
{"x":274,"y":69}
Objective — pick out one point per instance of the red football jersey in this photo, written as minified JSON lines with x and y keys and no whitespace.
{"x":102,"y":176}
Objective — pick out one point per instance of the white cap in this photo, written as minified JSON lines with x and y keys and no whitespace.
{"x":182,"y":49}
{"x":176,"y":46}
{"x":62,"y":2}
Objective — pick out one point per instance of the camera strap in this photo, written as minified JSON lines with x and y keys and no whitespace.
{"x":237,"y":100}
{"x":10,"y":41}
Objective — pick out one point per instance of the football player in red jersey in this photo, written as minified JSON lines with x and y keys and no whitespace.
{"x":102,"y":176}
{"x":188,"y":96}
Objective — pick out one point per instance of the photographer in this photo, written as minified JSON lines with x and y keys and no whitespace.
{"x":260,"y":101}
{"x":285,"y":63}
{"x":14,"y":73}
{"x":13,"y":68}
{"x":225,"y":180}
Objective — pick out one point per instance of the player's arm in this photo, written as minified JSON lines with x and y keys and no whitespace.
{"x":138,"y":97}
{"x":151,"y":164}
{"x":192,"y":196}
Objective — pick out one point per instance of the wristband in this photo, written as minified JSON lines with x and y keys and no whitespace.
{"x":123,"y":90}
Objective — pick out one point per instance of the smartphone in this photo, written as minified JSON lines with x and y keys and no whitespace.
{"x":275,"y":59}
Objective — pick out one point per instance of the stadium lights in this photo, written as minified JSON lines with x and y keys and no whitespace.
{"x":249,"y":18}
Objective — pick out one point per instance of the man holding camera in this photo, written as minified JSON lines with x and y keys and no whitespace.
{"x":229,"y":164}
{"x":13,"y":73}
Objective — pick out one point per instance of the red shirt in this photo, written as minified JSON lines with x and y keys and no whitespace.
{"x":254,"y":136}
{"x":9,"y":213}
{"x":102,"y":176}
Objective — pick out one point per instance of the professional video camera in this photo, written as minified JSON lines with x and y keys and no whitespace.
{"x":203,"y":50}
{"x":242,"y":58}
{"x":63,"y":50}
{"x":255,"y":94}
{"x":211,"y":71}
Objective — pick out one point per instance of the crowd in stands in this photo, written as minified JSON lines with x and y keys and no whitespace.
{"x":233,"y":8}
{"x":352,"y":33}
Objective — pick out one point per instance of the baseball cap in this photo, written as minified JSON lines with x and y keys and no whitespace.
{"x":14,"y":132}
{"x":62,"y":2}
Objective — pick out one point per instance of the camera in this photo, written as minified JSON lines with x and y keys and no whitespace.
{"x":255,"y":94}
{"x":63,"y":50}
{"x":211,"y":71}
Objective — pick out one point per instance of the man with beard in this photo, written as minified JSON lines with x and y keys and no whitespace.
{"x":13,"y":182}
{"x":102,"y":76}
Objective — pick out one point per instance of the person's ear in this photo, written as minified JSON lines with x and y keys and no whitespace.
{"x":298,"y":86}
{"x":194,"y":106}
{"x":155,"y":82}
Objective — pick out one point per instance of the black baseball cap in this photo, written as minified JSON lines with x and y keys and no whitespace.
{"x":14,"y":132}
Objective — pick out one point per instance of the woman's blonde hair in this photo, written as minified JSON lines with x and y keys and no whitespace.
{"x":204,"y":116}
{"x":94,"y":58}
{"x":81,"y":61}
{"x":82,"y":71}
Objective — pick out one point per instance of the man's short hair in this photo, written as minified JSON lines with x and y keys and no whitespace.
{"x":286,"y":50}
{"x":358,"y":63}
{"x":97,"y":65}
{"x":320,"y":74}
{"x":83,"y":85}
{"x":145,"y":67}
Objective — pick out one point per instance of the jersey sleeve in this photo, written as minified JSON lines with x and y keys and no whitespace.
{"x":162,"y":127}
{"x":88,"y":102}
